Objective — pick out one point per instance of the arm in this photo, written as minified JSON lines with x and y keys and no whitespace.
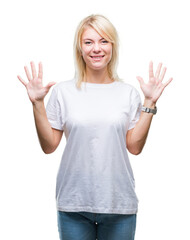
{"x":49,"y":138}
{"x":136,"y":137}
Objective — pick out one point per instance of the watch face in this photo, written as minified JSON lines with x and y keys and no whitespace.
{"x":149,"y":110}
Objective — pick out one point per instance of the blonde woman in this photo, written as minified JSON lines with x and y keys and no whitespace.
{"x":102,"y":118}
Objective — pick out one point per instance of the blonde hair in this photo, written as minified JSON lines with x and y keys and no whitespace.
{"x":106,"y":29}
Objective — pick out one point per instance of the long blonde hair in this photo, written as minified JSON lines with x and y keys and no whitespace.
{"x":106,"y":29}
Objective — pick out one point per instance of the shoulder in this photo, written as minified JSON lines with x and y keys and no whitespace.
{"x":64,"y":85}
{"x":59,"y":90}
{"x":128,"y":89}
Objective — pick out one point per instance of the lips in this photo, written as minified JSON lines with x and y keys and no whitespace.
{"x":97,"y":56}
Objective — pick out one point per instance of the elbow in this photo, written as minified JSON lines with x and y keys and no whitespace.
{"x":48,"y":150}
{"x":137,"y":152}
{"x":134,"y":146}
{"x":134,"y":151}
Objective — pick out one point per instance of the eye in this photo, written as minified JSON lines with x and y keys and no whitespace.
{"x":104,"y":41}
{"x":87,"y":42}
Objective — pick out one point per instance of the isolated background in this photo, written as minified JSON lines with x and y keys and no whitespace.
{"x":42,"y":30}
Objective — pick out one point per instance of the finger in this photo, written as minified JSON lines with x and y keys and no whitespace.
{"x":169,"y":81}
{"x":27,"y":73}
{"x":158,"y":70}
{"x":163,"y":74}
{"x":40,"y":73}
{"x":140,"y":79}
{"x":151,"y":74}
{"x":33,"y":69}
{"x":49,"y":85}
{"x":22,"y":81}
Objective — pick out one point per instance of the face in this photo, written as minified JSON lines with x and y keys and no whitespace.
{"x":96,"y":50}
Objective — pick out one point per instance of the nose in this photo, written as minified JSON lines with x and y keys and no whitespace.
{"x":96,"y":47}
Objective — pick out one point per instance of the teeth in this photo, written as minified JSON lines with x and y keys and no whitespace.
{"x":98,"y":57}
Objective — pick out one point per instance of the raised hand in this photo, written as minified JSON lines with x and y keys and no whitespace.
{"x":154,"y":88}
{"x":35,"y":89}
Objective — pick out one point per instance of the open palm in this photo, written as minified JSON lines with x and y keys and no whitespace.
{"x":35,"y":89}
{"x":154,"y":88}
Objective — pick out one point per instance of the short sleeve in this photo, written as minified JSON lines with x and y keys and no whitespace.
{"x":135,"y":110}
{"x":55,"y":110}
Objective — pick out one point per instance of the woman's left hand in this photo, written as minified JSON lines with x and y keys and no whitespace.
{"x":154,"y":88}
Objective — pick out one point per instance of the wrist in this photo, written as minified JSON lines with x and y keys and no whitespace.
{"x":149,"y":104}
{"x":37,"y":104}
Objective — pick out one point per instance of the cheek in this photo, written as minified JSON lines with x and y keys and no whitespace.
{"x":84,"y":56}
{"x":85,"y":52}
{"x":109,"y":50}
{"x":109,"y":53}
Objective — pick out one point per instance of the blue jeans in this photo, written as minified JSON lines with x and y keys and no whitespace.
{"x":92,"y":226}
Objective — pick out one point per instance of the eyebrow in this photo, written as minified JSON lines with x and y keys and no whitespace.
{"x":91,"y":39}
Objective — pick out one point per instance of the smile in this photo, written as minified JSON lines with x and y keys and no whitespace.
{"x":97,"y":57}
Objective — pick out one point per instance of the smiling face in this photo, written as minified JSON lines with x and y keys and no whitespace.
{"x":96,"y":50}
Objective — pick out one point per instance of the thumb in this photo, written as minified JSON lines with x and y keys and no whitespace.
{"x":140,"y":80}
{"x":49,"y":85}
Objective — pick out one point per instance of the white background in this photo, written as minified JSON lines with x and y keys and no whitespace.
{"x":43,"y":30}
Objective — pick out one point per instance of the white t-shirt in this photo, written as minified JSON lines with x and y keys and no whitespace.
{"x":95,"y":174}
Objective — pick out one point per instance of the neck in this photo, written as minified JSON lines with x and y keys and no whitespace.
{"x":97,"y":76}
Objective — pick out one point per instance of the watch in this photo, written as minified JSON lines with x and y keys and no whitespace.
{"x":149,"y":110}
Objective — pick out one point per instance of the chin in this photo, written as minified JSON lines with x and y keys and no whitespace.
{"x":98,"y":67}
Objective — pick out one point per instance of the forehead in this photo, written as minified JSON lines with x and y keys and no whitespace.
{"x":91,"y":33}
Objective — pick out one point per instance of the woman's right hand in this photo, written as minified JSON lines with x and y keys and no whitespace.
{"x":35,"y":89}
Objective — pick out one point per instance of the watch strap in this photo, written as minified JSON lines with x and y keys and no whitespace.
{"x":149,"y":110}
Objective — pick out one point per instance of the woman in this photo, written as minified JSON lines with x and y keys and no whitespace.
{"x":100,"y":116}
